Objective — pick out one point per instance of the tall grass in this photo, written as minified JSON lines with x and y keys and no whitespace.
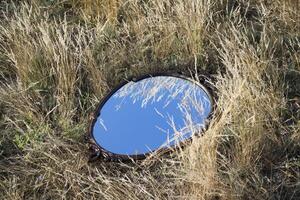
{"x":58,"y":58}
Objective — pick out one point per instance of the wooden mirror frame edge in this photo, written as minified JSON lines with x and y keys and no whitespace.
{"x":97,"y":152}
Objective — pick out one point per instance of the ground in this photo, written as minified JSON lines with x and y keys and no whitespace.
{"x":59,"y":58}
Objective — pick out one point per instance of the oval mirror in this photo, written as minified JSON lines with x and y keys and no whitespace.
{"x":148,"y":114}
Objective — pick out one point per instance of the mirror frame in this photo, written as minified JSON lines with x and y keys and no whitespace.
{"x":97,"y":152}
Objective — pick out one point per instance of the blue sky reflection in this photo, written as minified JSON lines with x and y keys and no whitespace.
{"x":154,"y":112}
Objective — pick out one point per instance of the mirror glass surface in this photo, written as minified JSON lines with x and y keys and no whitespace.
{"x":152,"y":113}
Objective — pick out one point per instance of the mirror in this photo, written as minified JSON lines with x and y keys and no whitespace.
{"x":152,"y":113}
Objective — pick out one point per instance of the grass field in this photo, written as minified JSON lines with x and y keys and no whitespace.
{"x":58,"y":58}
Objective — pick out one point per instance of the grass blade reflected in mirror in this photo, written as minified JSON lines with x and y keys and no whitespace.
{"x":151,"y":114}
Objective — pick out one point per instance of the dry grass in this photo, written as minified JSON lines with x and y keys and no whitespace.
{"x":58,"y":58}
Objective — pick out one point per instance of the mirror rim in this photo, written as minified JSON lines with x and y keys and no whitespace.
{"x":100,"y":152}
